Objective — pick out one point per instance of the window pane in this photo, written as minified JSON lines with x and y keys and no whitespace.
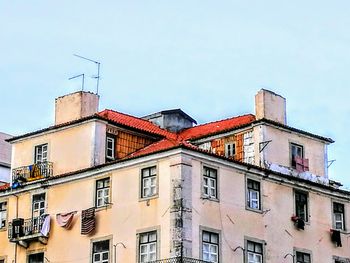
{"x":152,"y":236}
{"x":206,"y":236}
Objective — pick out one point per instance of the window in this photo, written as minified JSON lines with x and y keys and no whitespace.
{"x":36,"y":258}
{"x":303,"y":257}
{"x":148,"y":246}
{"x":210,"y":246}
{"x":2,"y":260}
{"x":253,"y":194}
{"x":100,"y":252}
{"x":338,"y":216}
{"x":301,"y":206}
{"x":296,"y":151}
{"x":40,"y":153}
{"x":209,"y":182}
{"x":38,"y":209}
{"x":110,"y":147}
{"x":3,"y":215}
{"x":148,"y":181}
{"x":254,"y":252}
{"x":230,"y":149}
{"x":102,"y":192}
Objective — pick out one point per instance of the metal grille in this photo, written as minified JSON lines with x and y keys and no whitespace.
{"x":32,"y":172}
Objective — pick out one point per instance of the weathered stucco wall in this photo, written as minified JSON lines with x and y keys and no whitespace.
{"x":69,"y":149}
{"x":278,"y":150}
{"x":122,"y":220}
{"x":273,"y":224}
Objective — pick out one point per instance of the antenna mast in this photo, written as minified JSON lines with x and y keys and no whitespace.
{"x":97,"y":77}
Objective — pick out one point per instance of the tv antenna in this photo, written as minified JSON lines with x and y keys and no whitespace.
{"x":83,"y":79}
{"x":97,"y":77}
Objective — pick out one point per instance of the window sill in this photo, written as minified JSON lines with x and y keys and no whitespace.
{"x":142,"y":199}
{"x":210,"y":198}
{"x":259,"y":211}
{"x":105,"y":207}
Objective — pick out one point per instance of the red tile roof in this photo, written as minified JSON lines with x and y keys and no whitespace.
{"x":216,"y":127}
{"x":134,"y":122}
{"x":4,"y":187}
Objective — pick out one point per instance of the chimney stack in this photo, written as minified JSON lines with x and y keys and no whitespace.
{"x":75,"y":106}
{"x":269,"y":105}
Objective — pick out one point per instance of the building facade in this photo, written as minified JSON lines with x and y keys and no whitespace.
{"x":5,"y":158}
{"x":110,"y":187}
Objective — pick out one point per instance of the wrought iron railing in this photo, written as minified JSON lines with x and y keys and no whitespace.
{"x":20,"y":227}
{"x":179,"y":260}
{"x":32,"y":172}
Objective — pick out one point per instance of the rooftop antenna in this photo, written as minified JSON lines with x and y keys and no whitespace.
{"x":83,"y":79}
{"x":97,"y":77}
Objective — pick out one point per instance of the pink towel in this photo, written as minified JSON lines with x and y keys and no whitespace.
{"x":64,"y":220}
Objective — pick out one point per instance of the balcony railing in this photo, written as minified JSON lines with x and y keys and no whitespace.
{"x":180,"y":260}
{"x":22,"y":229}
{"x":32,"y":172}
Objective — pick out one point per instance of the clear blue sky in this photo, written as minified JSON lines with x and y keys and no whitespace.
{"x":207,"y":57}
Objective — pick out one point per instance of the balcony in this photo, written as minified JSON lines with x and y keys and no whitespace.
{"x":23,"y":231}
{"x":180,"y":260}
{"x":32,"y":172}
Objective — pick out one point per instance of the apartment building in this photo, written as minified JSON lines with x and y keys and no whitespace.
{"x":5,"y":158}
{"x":104,"y":186}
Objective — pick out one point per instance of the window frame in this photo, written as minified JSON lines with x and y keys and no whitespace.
{"x":256,"y":242}
{"x":101,"y":252}
{"x":101,"y":239}
{"x":340,"y":259}
{"x":307,"y":208}
{"x":36,"y":147}
{"x":112,"y":137}
{"x":109,"y":188}
{"x":303,"y":251}
{"x":232,"y":146}
{"x":149,"y":177}
{"x":334,"y":221}
{"x":214,"y":179}
{"x":3,"y":228}
{"x":35,"y":253}
{"x":140,"y":232}
{"x":247,"y":196}
{"x":292,"y":161}
{"x":217,"y":232}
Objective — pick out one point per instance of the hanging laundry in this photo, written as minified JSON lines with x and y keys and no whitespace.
{"x":65,"y":220}
{"x":88,"y":221}
{"x":335,"y":235}
{"x":45,"y":229}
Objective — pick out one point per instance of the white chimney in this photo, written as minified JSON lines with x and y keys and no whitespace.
{"x":269,"y":105}
{"x":75,"y":106}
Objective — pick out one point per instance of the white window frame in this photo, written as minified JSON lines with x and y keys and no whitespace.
{"x":32,"y":254}
{"x":252,"y":255}
{"x":342,"y":220}
{"x":42,"y":156}
{"x":3,"y":214}
{"x":110,"y":139}
{"x":103,"y":194}
{"x":210,"y":248}
{"x":101,"y":253}
{"x":297,"y":146}
{"x":38,"y":212}
{"x":251,"y":200}
{"x":148,"y":248}
{"x":230,"y":149}
{"x":210,"y":182}
{"x":149,"y":182}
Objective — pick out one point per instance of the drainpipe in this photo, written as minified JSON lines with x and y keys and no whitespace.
{"x":10,"y":230}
